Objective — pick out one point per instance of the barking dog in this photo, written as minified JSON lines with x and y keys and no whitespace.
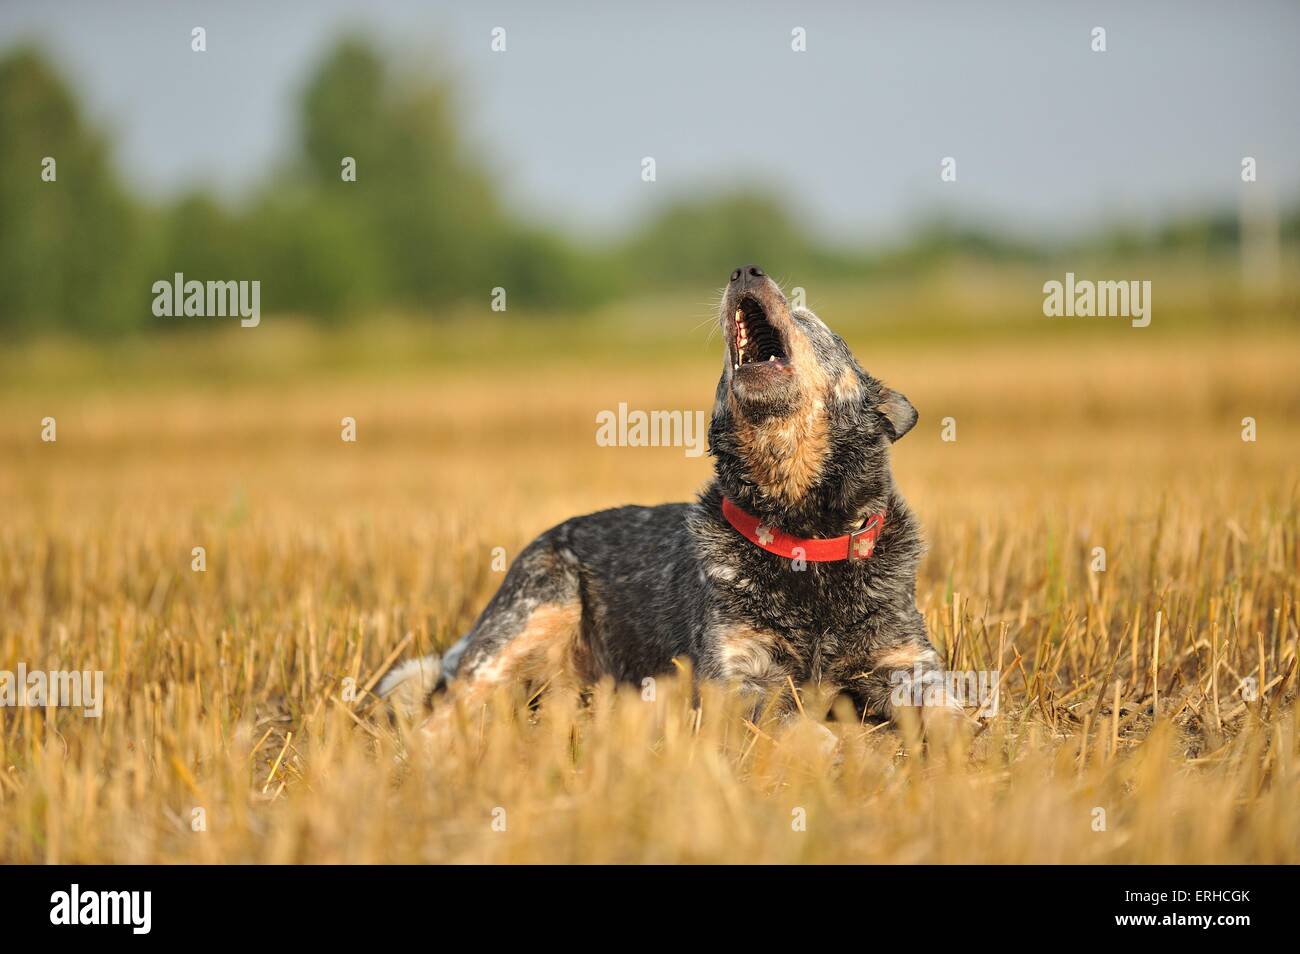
{"x":796,"y":565}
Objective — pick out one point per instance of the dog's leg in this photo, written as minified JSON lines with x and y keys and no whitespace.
{"x":748,"y":659}
{"x":530,"y":630}
{"x":745,"y":658}
{"x":908,"y":676}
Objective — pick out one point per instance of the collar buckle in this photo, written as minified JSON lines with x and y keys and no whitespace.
{"x":862,"y":543}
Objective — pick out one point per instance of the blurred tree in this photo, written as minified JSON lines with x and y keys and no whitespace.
{"x":700,"y":239}
{"x":419,"y":202}
{"x":67,"y":255}
{"x":342,"y":109}
{"x":313,"y":258}
{"x":422,"y":224}
{"x":546,"y":271}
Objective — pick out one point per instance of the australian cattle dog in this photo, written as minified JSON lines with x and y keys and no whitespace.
{"x":796,"y":565}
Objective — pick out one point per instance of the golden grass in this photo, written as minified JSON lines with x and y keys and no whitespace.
{"x":225,"y":688}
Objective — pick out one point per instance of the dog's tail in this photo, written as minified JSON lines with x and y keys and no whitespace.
{"x":410,"y":684}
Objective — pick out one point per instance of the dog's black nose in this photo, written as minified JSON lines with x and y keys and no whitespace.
{"x":742,"y":275}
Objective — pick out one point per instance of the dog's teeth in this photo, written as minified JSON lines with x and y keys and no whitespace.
{"x":773,"y":358}
{"x":736,"y":368}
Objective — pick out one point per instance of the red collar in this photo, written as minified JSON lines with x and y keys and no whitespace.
{"x":852,"y":546}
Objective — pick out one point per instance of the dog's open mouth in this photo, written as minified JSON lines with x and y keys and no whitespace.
{"x":756,"y":340}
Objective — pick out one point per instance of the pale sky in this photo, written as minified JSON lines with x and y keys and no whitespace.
{"x":1047,"y":134}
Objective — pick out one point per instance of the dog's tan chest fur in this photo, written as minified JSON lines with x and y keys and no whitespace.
{"x":786,"y":454}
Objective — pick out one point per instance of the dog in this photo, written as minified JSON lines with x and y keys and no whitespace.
{"x":796,"y":565}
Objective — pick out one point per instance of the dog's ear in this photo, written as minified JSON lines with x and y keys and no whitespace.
{"x":896,"y":411}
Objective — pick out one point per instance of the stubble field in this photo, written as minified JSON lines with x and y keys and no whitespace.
{"x":1146,"y":711}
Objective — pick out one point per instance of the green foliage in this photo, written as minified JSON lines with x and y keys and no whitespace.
{"x":66,"y":246}
{"x":425,"y":210}
{"x":420,"y":226}
{"x":700,"y":239}
{"x":421,"y":230}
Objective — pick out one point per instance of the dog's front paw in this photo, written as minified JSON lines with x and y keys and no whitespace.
{"x":808,"y":735}
{"x":946,"y":725}
{"x":945,"y":718}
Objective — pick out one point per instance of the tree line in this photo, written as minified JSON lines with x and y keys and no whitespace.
{"x":414,"y":225}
